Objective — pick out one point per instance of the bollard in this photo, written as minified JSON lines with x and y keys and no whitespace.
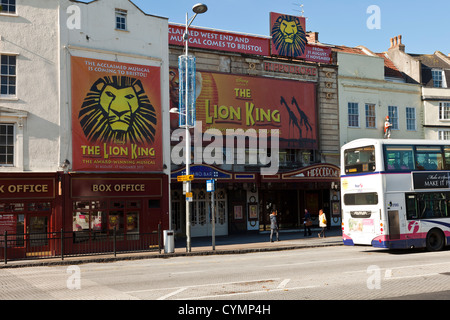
{"x":159,"y":238}
{"x":114,"y":244}
{"x":6,"y":247}
{"x":62,"y":244}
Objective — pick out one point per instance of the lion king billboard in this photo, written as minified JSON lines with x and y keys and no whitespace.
{"x":289,"y":39}
{"x":116,"y":116}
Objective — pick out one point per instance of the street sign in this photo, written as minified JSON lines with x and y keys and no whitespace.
{"x":210,"y":185}
{"x":189,"y":196}
{"x":185,"y":178}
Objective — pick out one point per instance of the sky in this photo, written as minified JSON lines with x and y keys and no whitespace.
{"x":424,"y":25}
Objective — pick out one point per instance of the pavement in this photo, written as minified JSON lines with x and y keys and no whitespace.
{"x":231,"y":244}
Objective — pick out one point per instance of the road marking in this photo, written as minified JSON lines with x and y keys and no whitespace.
{"x":283,"y":284}
{"x":310,"y":262}
{"x":187,"y":272}
{"x":248,"y":292}
{"x":172,"y":294}
{"x":204,"y":285}
{"x":402,"y":267}
{"x":415,"y":276}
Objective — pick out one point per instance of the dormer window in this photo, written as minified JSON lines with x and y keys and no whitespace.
{"x":438,"y":78}
{"x":121,"y":19}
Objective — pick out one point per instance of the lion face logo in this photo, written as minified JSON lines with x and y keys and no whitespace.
{"x":288,"y":36}
{"x":117,"y":110}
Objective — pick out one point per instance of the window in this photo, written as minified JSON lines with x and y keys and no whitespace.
{"x":8,"y":6}
{"x":393,"y":116}
{"x":370,"y":116}
{"x":96,"y":219}
{"x":121,"y":19}
{"x":428,"y":205}
{"x":410,"y":119}
{"x":8,"y":75}
{"x":444,"y":110}
{"x":437,"y":78}
{"x":444,"y":135}
{"x":398,"y":158}
{"x":429,"y":158}
{"x":361,"y":199}
{"x":6,"y":144}
{"x":353,"y":115}
{"x":359,"y":160}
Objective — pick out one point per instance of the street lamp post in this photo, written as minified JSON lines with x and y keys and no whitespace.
{"x":199,"y":8}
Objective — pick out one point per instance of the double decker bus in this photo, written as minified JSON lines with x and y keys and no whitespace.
{"x":396,"y":193}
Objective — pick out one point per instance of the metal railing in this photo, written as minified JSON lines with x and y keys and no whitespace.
{"x":70,"y":244}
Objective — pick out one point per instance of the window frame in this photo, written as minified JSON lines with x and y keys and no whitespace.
{"x":121,"y":17}
{"x":444,"y":111}
{"x":438,"y":78}
{"x":351,"y":107}
{"x":371,"y":115}
{"x":8,"y":145}
{"x":8,"y":75}
{"x":393,"y":117}
{"x":411,"y":122}
{"x":8,"y":4}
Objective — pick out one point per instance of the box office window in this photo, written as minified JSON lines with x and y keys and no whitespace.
{"x":91,"y":219}
{"x":13,"y":216}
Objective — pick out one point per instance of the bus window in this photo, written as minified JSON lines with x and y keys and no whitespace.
{"x":432,"y":205}
{"x":361,"y":199}
{"x":447,"y":157}
{"x":429,"y":158}
{"x":359,"y":160}
{"x":398,"y":158}
{"x":411,"y":207}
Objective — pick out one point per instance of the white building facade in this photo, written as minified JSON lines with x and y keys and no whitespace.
{"x":84,"y":111}
{"x":432,"y":73}
{"x":369,"y":91}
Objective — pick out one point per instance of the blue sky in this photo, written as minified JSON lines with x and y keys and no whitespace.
{"x":424,"y":25}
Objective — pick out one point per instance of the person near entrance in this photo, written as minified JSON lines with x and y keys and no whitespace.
{"x":273,"y":225}
{"x":322,"y":223}
{"x":307,"y":222}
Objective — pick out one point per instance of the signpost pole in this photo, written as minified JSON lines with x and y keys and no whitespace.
{"x":211,"y":187}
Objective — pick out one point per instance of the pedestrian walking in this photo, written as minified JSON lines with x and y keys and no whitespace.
{"x":307,"y":222}
{"x":322,"y":223}
{"x":273,"y":225}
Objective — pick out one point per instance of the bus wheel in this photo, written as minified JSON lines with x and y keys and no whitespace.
{"x":435,"y":240}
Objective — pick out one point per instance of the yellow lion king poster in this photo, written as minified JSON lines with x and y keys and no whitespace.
{"x":116,"y":116}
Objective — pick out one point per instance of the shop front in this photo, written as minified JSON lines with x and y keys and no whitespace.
{"x":29,"y":212}
{"x":132,"y":208}
{"x":312,"y":188}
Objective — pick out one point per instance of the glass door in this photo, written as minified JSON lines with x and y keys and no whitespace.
{"x":38,"y":242}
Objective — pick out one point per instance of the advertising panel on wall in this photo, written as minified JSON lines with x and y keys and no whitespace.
{"x":289,"y":39}
{"x":247,"y":102}
{"x":219,"y":40}
{"x":116,"y":116}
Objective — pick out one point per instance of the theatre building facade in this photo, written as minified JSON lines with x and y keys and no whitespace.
{"x":253,"y":92}
{"x":82,"y":124}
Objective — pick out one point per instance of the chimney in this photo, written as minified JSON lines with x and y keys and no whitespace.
{"x":312,"y":37}
{"x":401,"y":46}
{"x":396,"y":43}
